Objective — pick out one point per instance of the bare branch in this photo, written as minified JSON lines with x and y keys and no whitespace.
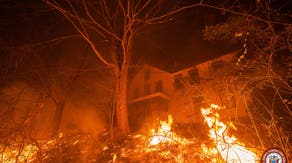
{"x":65,"y":13}
{"x":54,"y":40}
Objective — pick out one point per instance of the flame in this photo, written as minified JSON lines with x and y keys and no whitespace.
{"x":114,"y":157}
{"x":230,"y":149}
{"x":162,"y":143}
{"x":165,"y":135}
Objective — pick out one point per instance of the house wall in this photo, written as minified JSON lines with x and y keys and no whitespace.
{"x":148,"y":110}
{"x":185,"y":102}
{"x":155,"y":74}
{"x":215,"y":86}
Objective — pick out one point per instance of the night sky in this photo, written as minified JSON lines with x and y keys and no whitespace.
{"x":173,"y":45}
{"x":180,"y":42}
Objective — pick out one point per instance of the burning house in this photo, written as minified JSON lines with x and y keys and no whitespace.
{"x":155,"y":93}
{"x":189,"y":97}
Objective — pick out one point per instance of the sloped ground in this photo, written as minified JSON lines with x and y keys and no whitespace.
{"x":84,"y":148}
{"x":168,"y":142}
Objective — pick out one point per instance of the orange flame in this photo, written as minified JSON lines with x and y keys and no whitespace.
{"x":165,"y":135}
{"x":228,"y":146}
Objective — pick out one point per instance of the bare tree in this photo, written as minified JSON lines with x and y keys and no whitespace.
{"x":55,"y":80}
{"x":264,"y":31}
{"x":110,"y":27}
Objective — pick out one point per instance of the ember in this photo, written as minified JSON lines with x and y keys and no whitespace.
{"x":42,"y":151}
{"x":14,"y":155}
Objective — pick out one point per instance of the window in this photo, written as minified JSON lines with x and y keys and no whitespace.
{"x":229,"y":101}
{"x":178,"y":81}
{"x":194,"y":76}
{"x":147,"y":74}
{"x":147,"y":89}
{"x":198,"y":99}
{"x":136,"y":92}
{"x":158,"y":86}
{"x":218,"y":65}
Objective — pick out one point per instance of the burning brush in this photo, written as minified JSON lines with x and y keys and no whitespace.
{"x":230,"y":149}
{"x":162,"y":145}
{"x":165,"y":135}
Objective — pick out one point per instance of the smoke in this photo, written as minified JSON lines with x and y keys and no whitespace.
{"x":81,"y":117}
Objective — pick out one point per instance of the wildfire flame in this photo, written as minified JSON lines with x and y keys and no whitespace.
{"x":162,"y":143}
{"x":230,"y":149}
{"x":165,"y":135}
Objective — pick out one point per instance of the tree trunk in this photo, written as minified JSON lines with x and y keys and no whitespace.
{"x":121,"y":103}
{"x":58,"y":117}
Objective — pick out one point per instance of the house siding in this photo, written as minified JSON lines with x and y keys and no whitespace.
{"x":184,"y":102}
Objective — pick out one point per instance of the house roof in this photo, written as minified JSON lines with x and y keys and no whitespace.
{"x":137,"y":68}
{"x":182,"y":67}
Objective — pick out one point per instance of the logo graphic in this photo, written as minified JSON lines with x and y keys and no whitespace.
{"x":274,"y":156}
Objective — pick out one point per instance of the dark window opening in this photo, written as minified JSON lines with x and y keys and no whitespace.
{"x":218,"y":65}
{"x":198,"y":99}
{"x":158,"y":86}
{"x":178,"y":81}
{"x":147,"y":75}
{"x":136,"y":93}
{"x":147,"y":89}
{"x":194,"y":77}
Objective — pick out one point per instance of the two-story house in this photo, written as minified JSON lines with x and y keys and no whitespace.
{"x":155,"y":93}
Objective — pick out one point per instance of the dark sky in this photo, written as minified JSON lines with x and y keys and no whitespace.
{"x":180,"y":43}
{"x":171,"y":46}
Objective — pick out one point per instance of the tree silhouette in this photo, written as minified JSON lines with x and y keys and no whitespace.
{"x":110,"y":27}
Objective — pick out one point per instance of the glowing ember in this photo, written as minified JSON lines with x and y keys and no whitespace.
{"x":229,"y":148}
{"x":27,"y":154}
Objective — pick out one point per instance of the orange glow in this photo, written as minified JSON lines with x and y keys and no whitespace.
{"x":27,"y":154}
{"x":162,"y":143}
{"x":165,"y":135}
{"x":230,"y":149}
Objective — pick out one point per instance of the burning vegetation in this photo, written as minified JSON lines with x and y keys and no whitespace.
{"x":229,"y":147}
{"x":165,"y":145}
{"x":160,"y":144}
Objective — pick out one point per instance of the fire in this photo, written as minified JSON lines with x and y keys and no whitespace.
{"x":162,"y":144}
{"x":230,"y":149}
{"x":165,"y":135}
{"x":182,"y":149}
